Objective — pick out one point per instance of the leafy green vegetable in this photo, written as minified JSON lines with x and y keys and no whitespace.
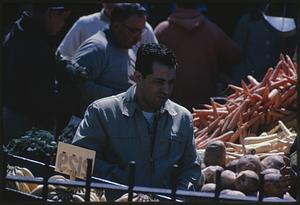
{"x":34,"y":144}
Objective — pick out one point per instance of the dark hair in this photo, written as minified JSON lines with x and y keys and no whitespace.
{"x":40,"y":8}
{"x":148,"y":53}
{"x":121,"y":12}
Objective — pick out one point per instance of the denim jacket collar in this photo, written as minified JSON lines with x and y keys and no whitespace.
{"x":129,"y":104}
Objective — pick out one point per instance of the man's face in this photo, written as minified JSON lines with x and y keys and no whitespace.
{"x":157,"y":87}
{"x":129,"y":32}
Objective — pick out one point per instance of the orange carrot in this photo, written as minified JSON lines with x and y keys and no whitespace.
{"x":213,"y":125}
{"x":276,"y":71}
{"x":273,"y":93}
{"x":292,"y":80}
{"x":236,"y":116}
{"x":268,"y":117}
{"x":278,"y":83}
{"x":203,"y":137}
{"x":288,"y":94}
{"x":252,"y":80}
{"x":253,"y":120}
{"x":200,"y":112}
{"x":235,"y":88}
{"x":285,"y":68}
{"x":234,"y":137}
{"x":260,"y":90}
{"x":201,"y":132}
{"x":213,"y":135}
{"x":266,"y":94}
{"x":214,"y":106}
{"x":263,"y":118}
{"x":224,"y":137}
{"x":197,"y":121}
{"x":226,"y":121}
{"x":256,"y":97}
{"x":207,"y":106}
{"x":290,"y":62}
{"x":267,"y":76}
{"x":276,"y":114}
{"x":290,"y":100}
{"x":245,"y":88}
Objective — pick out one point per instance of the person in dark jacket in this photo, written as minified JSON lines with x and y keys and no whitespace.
{"x":29,"y":70}
{"x":260,"y":45}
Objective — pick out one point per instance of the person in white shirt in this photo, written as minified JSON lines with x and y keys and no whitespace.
{"x":86,"y":26}
{"x":108,"y":55}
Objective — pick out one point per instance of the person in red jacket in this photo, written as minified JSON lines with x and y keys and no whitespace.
{"x":203,"y":51}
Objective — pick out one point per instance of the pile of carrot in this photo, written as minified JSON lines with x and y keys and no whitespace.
{"x":251,"y":107}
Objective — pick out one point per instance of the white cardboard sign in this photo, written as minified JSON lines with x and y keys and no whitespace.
{"x":73,"y":159}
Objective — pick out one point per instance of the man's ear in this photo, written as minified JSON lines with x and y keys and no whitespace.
{"x":137,"y":77}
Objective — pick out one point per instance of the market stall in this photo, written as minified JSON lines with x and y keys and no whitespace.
{"x":251,"y":135}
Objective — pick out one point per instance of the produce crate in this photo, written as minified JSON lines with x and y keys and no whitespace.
{"x":43,"y":171}
{"x":111,"y":188}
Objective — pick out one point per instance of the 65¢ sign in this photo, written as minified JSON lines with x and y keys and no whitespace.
{"x":71,"y":159}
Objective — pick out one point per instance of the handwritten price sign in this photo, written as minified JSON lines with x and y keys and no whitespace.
{"x":72,"y":159}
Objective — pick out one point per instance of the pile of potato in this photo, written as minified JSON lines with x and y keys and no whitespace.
{"x":240,"y":177}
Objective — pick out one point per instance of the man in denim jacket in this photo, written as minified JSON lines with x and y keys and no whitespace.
{"x":144,"y":126}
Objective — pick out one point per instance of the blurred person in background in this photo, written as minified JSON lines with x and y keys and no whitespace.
{"x":260,"y":44}
{"x":108,"y":55}
{"x":29,"y":70}
{"x":203,"y":51}
{"x":86,"y":26}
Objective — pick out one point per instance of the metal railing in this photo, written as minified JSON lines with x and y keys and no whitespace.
{"x":97,"y":183}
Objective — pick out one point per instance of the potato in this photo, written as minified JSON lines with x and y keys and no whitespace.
{"x":227,"y":179}
{"x":229,"y":192}
{"x":210,"y":172}
{"x":247,"y":182}
{"x":249,"y":162}
{"x":210,"y":187}
{"x":273,"y":161}
{"x":272,"y":186}
{"x":232,"y":165}
{"x":270,"y":171}
{"x":215,"y":154}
